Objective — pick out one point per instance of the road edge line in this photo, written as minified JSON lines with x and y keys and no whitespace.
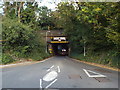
{"x":95,"y":64}
{"x":23,"y":63}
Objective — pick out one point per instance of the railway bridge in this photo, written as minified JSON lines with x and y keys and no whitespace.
{"x":56,"y":42}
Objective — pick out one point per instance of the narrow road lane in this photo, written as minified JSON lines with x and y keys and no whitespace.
{"x":59,"y":72}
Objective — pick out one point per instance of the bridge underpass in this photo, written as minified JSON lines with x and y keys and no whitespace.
{"x":59,"y":49}
{"x":56,"y":42}
{"x":59,"y":72}
{"x":58,"y":45}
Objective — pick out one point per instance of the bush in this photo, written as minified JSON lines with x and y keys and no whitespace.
{"x":38,"y":56}
{"x":16,"y":35}
{"x":7,"y":59}
{"x":21,"y":41}
{"x":0,"y":58}
{"x":116,"y":60}
{"x":110,"y":58}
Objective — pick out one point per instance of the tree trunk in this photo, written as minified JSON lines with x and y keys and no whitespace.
{"x":19,"y":10}
{"x":16,"y":9}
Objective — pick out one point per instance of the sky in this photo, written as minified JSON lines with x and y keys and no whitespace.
{"x":1,"y":10}
{"x":51,"y":4}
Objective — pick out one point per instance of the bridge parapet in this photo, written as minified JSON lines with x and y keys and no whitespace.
{"x":58,"y":39}
{"x":48,"y":34}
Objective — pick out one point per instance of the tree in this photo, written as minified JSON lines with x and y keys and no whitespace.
{"x":13,"y":9}
{"x":44,"y":18}
{"x":96,"y":22}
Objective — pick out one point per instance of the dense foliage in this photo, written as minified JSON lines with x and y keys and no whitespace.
{"x":21,"y":41}
{"x":19,"y":33}
{"x":95,"y":26}
{"x":7,"y":59}
{"x":28,"y":13}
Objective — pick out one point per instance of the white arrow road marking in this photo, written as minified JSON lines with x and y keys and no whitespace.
{"x":98,"y":74}
{"x":58,"y":69}
{"x":51,"y":83}
{"x":50,"y":68}
{"x":50,"y":76}
{"x":40,"y":83}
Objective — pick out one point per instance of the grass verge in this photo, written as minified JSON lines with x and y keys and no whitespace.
{"x":103,"y":59}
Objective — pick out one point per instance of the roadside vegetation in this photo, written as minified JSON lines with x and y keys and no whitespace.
{"x":20,"y":42}
{"x":93,"y":30}
{"x":19,"y":33}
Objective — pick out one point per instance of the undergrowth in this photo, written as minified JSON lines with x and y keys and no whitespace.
{"x":110,"y":58}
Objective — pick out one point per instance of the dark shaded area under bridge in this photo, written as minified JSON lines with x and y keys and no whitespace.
{"x":57,"y":47}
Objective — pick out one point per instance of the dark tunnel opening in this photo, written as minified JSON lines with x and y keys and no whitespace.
{"x":60,"y":49}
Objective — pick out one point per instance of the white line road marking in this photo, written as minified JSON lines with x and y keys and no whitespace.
{"x":50,"y":76}
{"x":98,"y":74}
{"x":40,"y":83}
{"x":43,"y":61}
{"x":86,"y":72}
{"x":58,"y":69}
{"x":51,"y":83}
{"x":50,"y":68}
{"x":14,"y":64}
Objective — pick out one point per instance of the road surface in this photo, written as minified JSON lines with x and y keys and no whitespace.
{"x":59,"y":72}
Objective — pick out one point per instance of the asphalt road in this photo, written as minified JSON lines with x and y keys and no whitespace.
{"x":59,"y":72}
